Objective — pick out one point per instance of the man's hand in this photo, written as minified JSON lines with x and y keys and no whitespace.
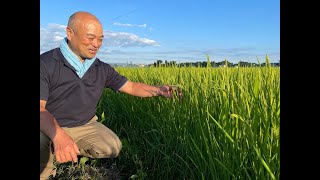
{"x":169,"y":90}
{"x":145,"y":90}
{"x":65,"y":148}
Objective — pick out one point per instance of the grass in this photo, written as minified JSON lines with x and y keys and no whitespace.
{"x":88,"y":169}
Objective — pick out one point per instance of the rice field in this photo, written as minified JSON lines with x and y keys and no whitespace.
{"x":226,"y":125}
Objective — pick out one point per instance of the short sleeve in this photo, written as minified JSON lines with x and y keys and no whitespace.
{"x":114,"y":80}
{"x":44,"y":82}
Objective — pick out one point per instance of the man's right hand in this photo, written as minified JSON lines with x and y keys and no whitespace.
{"x":65,"y":148}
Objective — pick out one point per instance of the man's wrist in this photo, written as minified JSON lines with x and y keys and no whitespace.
{"x":159,"y":92}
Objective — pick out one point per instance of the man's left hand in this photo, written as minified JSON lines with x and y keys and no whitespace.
{"x":169,"y":90}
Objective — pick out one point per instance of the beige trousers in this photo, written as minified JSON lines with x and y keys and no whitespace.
{"x":94,"y":140}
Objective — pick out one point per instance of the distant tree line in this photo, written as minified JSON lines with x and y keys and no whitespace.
{"x":160,"y":63}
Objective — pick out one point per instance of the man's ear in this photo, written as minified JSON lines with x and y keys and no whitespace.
{"x":69,"y":32}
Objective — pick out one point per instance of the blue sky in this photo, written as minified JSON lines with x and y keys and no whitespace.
{"x":143,"y":31}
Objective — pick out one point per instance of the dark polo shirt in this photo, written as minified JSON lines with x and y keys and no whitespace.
{"x":70,"y":99}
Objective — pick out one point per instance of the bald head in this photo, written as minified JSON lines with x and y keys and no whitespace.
{"x":79,"y":17}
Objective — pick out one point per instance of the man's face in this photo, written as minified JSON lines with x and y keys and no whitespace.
{"x":86,"y":40}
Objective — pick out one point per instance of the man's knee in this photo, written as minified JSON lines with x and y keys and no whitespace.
{"x":44,"y":142}
{"x":104,"y":150}
{"x":47,"y":167}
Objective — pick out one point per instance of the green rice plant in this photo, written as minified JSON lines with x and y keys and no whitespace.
{"x":226,"y":126}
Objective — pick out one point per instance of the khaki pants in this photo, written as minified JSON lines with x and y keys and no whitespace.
{"x":94,"y":140}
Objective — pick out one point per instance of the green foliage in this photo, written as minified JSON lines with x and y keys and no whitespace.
{"x":226,"y":126}
{"x":208,"y":62}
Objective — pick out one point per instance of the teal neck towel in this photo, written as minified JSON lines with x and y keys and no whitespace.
{"x":75,"y":62}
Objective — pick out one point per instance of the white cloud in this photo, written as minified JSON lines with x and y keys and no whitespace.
{"x":130,"y":25}
{"x":51,"y":36}
{"x":124,"y":39}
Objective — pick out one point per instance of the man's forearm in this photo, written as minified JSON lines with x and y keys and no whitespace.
{"x":48,"y":124}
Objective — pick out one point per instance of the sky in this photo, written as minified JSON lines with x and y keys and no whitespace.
{"x":144,"y":31}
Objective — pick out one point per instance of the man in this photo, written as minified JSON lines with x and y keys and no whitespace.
{"x":72,"y":80}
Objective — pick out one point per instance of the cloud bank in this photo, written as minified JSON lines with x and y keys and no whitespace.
{"x":51,"y":36}
{"x":124,"y":47}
